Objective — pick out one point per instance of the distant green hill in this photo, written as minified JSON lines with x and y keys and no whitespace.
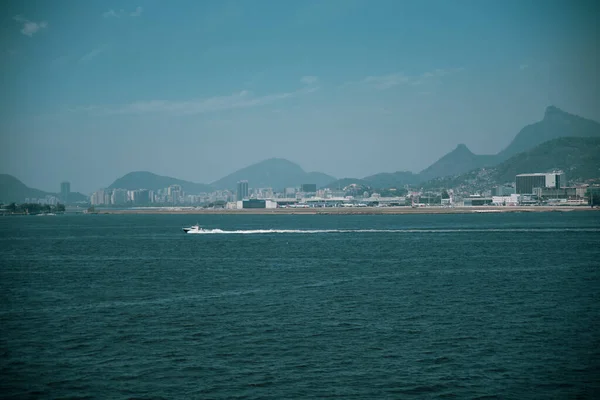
{"x":578,"y":157}
{"x":76,"y":197}
{"x":276,"y":173}
{"x":459,"y":160}
{"x":392,"y":179}
{"x":148,"y":180}
{"x":13,"y":190}
{"x":556,"y":124}
{"x":318,"y":178}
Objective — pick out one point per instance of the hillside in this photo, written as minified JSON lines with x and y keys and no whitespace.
{"x":555,"y":124}
{"x":320,"y":178}
{"x":148,"y":180}
{"x":344,"y":182}
{"x":459,"y":160}
{"x":392,"y":179}
{"x":276,"y":173}
{"x":13,"y":190}
{"x":578,"y":157}
{"x":76,"y":197}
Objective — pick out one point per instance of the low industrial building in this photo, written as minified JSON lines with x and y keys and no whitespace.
{"x":502,"y":190}
{"x":477,"y":201}
{"x":556,"y":193}
{"x":512,"y":200}
{"x":256,"y":203}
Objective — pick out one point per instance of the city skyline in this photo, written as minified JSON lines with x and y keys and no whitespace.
{"x":348,"y":88}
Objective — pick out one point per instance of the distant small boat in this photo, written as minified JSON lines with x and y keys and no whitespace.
{"x":192,"y":229}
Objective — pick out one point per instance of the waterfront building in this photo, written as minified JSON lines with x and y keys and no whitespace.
{"x":256,"y":203}
{"x":477,"y":200}
{"x":510,"y":200}
{"x":525,"y":183}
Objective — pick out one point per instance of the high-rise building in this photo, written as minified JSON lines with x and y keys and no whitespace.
{"x":141,"y":196}
{"x":525,"y":183}
{"x":99,"y":197}
{"x":65,"y":189}
{"x":242,"y":190}
{"x":175,"y":194}
{"x":118,"y":197}
{"x":174,"y":188}
{"x":308,"y":188}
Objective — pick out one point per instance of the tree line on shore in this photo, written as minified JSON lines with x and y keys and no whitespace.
{"x":32,"y":208}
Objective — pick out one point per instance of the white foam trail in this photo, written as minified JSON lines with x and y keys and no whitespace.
{"x":316,"y":231}
{"x":267,"y":231}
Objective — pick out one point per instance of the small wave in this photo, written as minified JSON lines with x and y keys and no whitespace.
{"x":316,"y":231}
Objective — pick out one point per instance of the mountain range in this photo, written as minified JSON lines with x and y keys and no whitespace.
{"x":148,"y":180}
{"x":279,"y":173}
{"x":555,"y":124}
{"x":578,"y":157}
{"x":276,"y":173}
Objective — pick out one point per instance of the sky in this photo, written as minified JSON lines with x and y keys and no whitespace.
{"x":92,"y":90}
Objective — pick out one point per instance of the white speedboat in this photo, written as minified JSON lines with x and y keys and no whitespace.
{"x":192,"y":229}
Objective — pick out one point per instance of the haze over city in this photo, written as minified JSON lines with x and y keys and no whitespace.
{"x":197,"y":90}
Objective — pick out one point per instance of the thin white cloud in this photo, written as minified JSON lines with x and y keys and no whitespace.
{"x":92,"y":54}
{"x":137,"y":12}
{"x":112,"y":14}
{"x":243,"y":99}
{"x":122,"y":13}
{"x":430,"y":75}
{"x":383,"y":82}
{"x":386,"y":81}
{"x":309,"y":80}
{"x":441,"y":72}
{"x":29,"y":28}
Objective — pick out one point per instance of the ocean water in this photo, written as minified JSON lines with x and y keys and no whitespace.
{"x":289,"y":306}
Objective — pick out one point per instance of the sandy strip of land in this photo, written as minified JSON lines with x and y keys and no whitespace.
{"x":348,"y":210}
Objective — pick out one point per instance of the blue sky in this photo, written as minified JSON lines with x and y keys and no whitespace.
{"x":93,"y":90}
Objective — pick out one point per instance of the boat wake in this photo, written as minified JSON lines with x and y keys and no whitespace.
{"x":268,"y":231}
{"x":318,"y":231}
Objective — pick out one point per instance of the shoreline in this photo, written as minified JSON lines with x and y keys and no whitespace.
{"x":351,"y":211}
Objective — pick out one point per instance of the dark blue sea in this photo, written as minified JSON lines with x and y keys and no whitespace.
{"x":470,"y":306}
